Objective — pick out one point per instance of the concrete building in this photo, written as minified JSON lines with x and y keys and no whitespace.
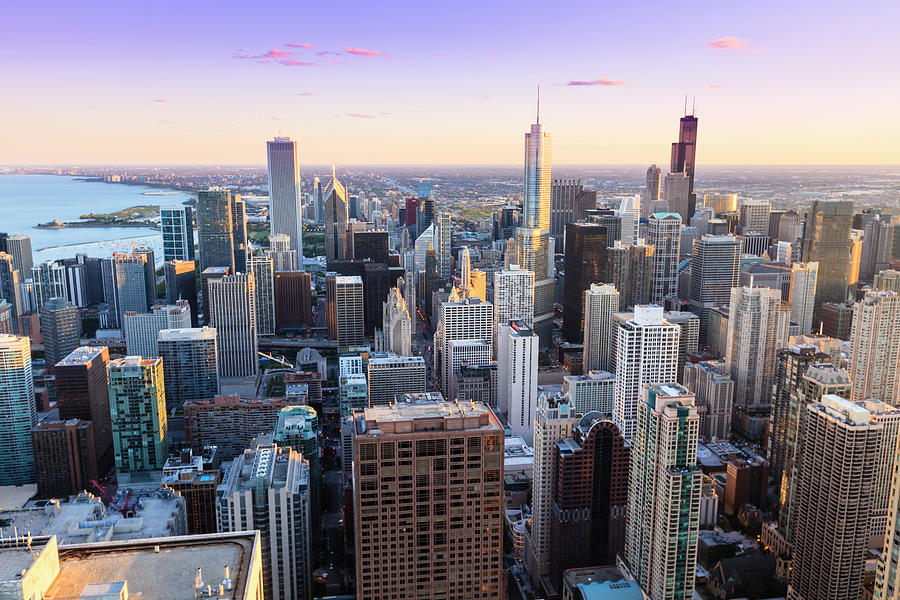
{"x":689,"y":340}
{"x":142,"y":329}
{"x":18,"y":406}
{"x":190,"y":364}
{"x":131,"y":288}
{"x":601,"y":302}
{"x":65,"y":456}
{"x":468,"y":353}
{"x":803,"y":294}
{"x":875,"y":348}
{"x":232,"y":311}
{"x":18,"y":245}
{"x":263,"y":293}
{"x":196,"y":478}
{"x":215,"y":229}
{"x":177,"y":225}
{"x":267,"y":489}
{"x":650,"y":202}
{"x":826,"y":241}
{"x":477,"y":384}
{"x":397,"y":324}
{"x":664,"y":234}
{"x":513,"y":295}
{"x":466,"y":319}
{"x":715,"y":269}
{"x":754,"y":216}
{"x":517,"y":376}
{"x":663,"y":514}
{"x":230,"y":422}
{"x":59,"y":328}
{"x":137,"y":403}
{"x":391,"y":376}
{"x":181,"y":284}
{"x":887,"y":280}
{"x":713,"y":390}
{"x":280,"y":253}
{"x":449,"y":442}
{"x":628,"y":269}
{"x":646,"y":351}
{"x":753,"y":337}
{"x":594,"y":392}
{"x":345,"y":304}
{"x":885,"y":463}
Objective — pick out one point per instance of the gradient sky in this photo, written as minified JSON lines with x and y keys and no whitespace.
{"x":796,"y":82}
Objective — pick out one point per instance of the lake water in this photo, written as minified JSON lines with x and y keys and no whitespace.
{"x":26,"y":200}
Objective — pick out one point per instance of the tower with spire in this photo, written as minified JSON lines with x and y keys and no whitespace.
{"x":335,"y":218}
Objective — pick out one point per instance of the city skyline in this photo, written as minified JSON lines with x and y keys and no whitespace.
{"x":136,"y":89}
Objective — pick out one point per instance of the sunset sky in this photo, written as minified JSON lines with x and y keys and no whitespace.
{"x":447,"y":82}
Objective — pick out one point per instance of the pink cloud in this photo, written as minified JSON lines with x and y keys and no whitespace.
{"x":328,"y":53}
{"x":275,"y":53}
{"x":305,"y":46}
{"x":292,"y":62}
{"x":360,"y":116}
{"x":159,"y":100}
{"x":727,"y":43}
{"x":362,"y":51}
{"x":305,"y":94}
{"x":595,"y":82}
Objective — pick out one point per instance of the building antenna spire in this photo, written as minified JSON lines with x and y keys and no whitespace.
{"x":685,"y":105}
{"x":694,"y":107}
{"x":332,"y":171}
{"x":539,"y":105}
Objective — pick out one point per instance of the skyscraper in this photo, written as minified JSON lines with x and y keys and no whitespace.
{"x":677,"y":192}
{"x":11,"y":285}
{"x":18,"y":245}
{"x":585,"y":264}
{"x":130,"y":284}
{"x":713,"y":389}
{"x":513,"y":295}
{"x":646,"y":351}
{"x":460,"y":319}
{"x":875,"y":348}
{"x":181,"y":284}
{"x":568,"y":203}
{"x":345,"y":307}
{"x":263,"y":293}
{"x":465,"y":270}
{"x":663,"y":512}
{"x":190,"y":364}
{"x":392,"y":376}
{"x":293,"y":300}
{"x":754,"y":216}
{"x":652,"y":192}
{"x":48,"y":282}
{"x":64,"y":456}
{"x":397,"y":324}
{"x":628,"y":268}
{"x":336,"y":218}
{"x":177,"y":225}
{"x":887,"y":280}
{"x":826,"y":241}
{"x":684,"y":157}
{"x":19,"y":409}
{"x":59,"y":328}
{"x":878,"y":241}
{"x":803,"y":294}
{"x":443,"y":225}
{"x":715,"y":269}
{"x":215,"y":225}
{"x":753,"y":335}
{"x":142,"y":330}
{"x":840,"y":447}
{"x":232,"y":310}
{"x":239,"y":233}
{"x":280,"y":253}
{"x":431,"y":435}
{"x":284,"y":191}
{"x":664,"y":234}
{"x":601,"y":302}
{"x":629,"y":213}
{"x":517,"y":374}
{"x":137,"y":403}
{"x":82,"y":392}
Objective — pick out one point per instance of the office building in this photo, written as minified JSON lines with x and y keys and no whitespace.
{"x":754,"y":216}
{"x":646,"y":351}
{"x":280,"y":253}
{"x":585,"y":262}
{"x":836,"y":320}
{"x":142,"y":330}
{"x":284,"y":191}
{"x":6,"y":316}
{"x":601,"y":301}
{"x":628,"y":268}
{"x":650,"y":203}
{"x":460,"y":353}
{"x":715,"y":269}
{"x":137,"y":404}
{"x":443,"y":226}
{"x":18,"y":406}
{"x":239,"y":233}
{"x":885,"y":463}
{"x":721,"y":203}
{"x":59,"y":328}
{"x":267,"y":489}
{"x":477,"y":384}
{"x":875,"y":348}
{"x":82,"y":393}
{"x":232,"y":311}
{"x":181,"y":284}
{"x":336,"y":219}
{"x":664,"y":234}
{"x":397,"y":324}
{"x":48,"y":282}
{"x":513,"y":295}
{"x":18,"y":245}
{"x":629,"y":216}
{"x":827,"y":242}
{"x":391,"y":376}
{"x":293,"y":300}
{"x":468,"y":319}
{"x":449,"y":443}
{"x":676,"y":190}
{"x":887,"y":280}
{"x":65,"y":457}
{"x":569,"y":202}
{"x":878,"y":241}
{"x":803,"y":294}
{"x":190,"y":364}
{"x":230,"y":422}
{"x":688,"y":341}
{"x":684,"y":156}
{"x":130,"y":273}
{"x":371,"y":245}
{"x":594,"y":392}
{"x":663,"y":512}
{"x":177,"y":225}
{"x":11,"y":285}
{"x":215,"y":229}
{"x":263,"y":293}
{"x":840,"y":445}
{"x":753,"y":337}
{"x":713,"y":389}
{"x":517,"y":374}
{"x":345,"y":305}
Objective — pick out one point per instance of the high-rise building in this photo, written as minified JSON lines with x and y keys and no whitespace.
{"x":130,"y":284}
{"x":887,"y":280}
{"x":465,"y":270}
{"x":345,"y":305}
{"x":443,"y":226}
{"x":59,"y":328}
{"x":181,"y":284}
{"x":753,"y":335}
{"x":392,"y":376}
{"x":689,"y":340}
{"x":82,"y":392}
{"x":663,"y":512}
{"x":397,"y":324}
{"x":677,"y":192}
{"x":137,"y":403}
{"x":336,"y":218}
{"x":464,"y":353}
{"x":713,"y":389}
{"x":18,"y":245}
{"x":284,"y":191}
{"x":280,"y":253}
{"x":6,"y":316}
{"x":263,"y":293}
{"x":568,"y":202}
{"x":513,"y":295}
{"x":64,"y":456}
{"x":177,"y":225}
{"x":628,"y":268}
{"x":267,"y":488}
{"x":215,"y":227}
{"x":11,"y":285}
{"x":826,"y":241}
{"x":652,"y":192}
{"x":293,"y":300}
{"x":594,"y":392}
{"x":878,"y":241}
{"x":230,"y":422}
{"x":232,"y":311}
{"x":239,"y":233}
{"x":298,"y":429}
{"x":885,"y":463}
{"x":601,"y":301}
{"x":19,"y":411}
{"x":664,"y":234}
{"x":142,"y":330}
{"x":190,"y":364}
{"x":754,"y":216}
{"x":431,"y":559}
{"x":646,"y":351}
{"x":48,"y":282}
{"x":469,"y":319}
{"x":875,"y":348}
{"x":684,"y":157}
{"x":585,"y":261}
{"x":803,"y":294}
{"x":715,"y":269}
{"x":840,"y":448}
{"x":517,"y":374}
{"x":629,"y":213}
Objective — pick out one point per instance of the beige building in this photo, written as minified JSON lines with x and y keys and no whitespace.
{"x":346,"y":312}
{"x":875,"y":348}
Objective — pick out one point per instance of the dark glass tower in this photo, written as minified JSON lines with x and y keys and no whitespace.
{"x":684,"y":155}
{"x":585,"y":264}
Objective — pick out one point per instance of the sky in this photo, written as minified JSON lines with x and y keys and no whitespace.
{"x":387,"y":82}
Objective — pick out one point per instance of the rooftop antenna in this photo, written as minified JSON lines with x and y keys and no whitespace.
{"x":694,"y":107}
{"x":539,"y":105}
{"x":685,"y":105}
{"x":332,"y":171}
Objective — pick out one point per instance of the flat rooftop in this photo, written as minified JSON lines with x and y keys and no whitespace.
{"x":82,"y":355}
{"x":425,"y":415}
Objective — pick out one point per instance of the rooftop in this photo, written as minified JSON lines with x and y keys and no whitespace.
{"x":82,"y":355}
{"x":192,"y":333}
{"x":132,"y":361}
{"x":601,"y":583}
{"x":425,"y":415}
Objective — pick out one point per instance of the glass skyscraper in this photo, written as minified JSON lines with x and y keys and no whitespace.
{"x":284,"y":191}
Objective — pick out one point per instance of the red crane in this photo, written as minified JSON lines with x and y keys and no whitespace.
{"x":127,"y":507}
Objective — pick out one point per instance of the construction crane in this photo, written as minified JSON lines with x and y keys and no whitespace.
{"x":127,"y":507}
{"x":282,"y":361}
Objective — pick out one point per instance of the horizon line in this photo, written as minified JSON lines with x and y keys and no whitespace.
{"x":411,"y":164}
